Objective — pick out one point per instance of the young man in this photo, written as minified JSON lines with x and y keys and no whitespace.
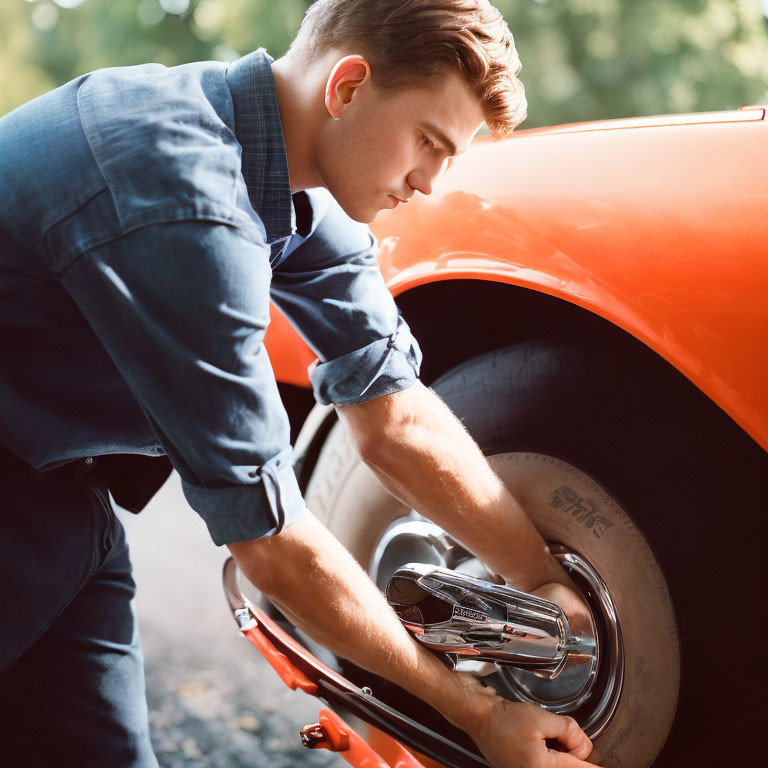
{"x":149,"y":214}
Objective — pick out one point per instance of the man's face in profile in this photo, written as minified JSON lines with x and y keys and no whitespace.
{"x":390,"y":143}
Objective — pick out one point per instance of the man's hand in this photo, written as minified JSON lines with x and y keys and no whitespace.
{"x":516,"y":736}
{"x":570,"y":600}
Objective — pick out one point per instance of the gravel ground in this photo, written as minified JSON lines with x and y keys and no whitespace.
{"x":213,"y":700}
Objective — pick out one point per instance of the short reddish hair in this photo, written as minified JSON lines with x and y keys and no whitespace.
{"x":410,"y":40}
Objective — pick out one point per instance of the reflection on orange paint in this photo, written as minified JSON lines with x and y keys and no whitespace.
{"x":658,"y":225}
{"x":391,"y":750}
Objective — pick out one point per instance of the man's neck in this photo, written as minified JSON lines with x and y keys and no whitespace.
{"x":297,"y":116}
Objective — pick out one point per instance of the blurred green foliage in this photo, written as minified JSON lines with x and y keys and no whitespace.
{"x":582,"y":59}
{"x":587,"y":59}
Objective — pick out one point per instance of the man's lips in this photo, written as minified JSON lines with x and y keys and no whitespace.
{"x":397,"y":200}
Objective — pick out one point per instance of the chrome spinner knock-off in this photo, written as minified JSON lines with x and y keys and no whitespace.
{"x":523,"y":643}
{"x":464,"y":616}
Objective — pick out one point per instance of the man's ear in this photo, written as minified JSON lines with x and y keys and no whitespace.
{"x":347,"y":75}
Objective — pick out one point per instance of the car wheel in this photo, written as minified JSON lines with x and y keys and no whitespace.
{"x":620,"y":461}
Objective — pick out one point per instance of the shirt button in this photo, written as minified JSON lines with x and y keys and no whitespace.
{"x":89,"y":460}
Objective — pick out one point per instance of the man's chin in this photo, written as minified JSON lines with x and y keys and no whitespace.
{"x":356,"y":207}
{"x":363,"y":215}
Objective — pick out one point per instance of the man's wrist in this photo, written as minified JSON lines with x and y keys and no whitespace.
{"x":474,"y":701}
{"x":459,"y":697}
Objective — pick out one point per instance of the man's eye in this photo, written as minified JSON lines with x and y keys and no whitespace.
{"x":427,"y":142}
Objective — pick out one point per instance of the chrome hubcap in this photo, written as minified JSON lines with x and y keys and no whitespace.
{"x":588,"y":686}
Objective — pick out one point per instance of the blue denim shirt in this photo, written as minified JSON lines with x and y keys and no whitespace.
{"x":146,"y":220}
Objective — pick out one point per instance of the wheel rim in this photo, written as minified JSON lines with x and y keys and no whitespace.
{"x":570,"y":507}
{"x":594,"y":700}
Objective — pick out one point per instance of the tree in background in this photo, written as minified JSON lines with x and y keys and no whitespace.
{"x":588,"y":59}
{"x":582,"y":59}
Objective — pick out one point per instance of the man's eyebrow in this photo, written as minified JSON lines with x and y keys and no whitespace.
{"x":441,"y":136}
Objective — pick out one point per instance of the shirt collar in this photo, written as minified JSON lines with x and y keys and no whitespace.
{"x":260,"y":134}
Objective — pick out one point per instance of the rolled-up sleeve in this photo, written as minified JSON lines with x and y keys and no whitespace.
{"x":329,"y":285}
{"x":182,"y":310}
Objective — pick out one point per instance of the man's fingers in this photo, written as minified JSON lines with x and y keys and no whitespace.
{"x":566,"y":730}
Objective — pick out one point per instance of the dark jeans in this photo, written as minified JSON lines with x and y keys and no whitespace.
{"x":71,"y":668}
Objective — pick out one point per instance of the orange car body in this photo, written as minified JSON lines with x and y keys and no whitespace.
{"x":659,"y":225}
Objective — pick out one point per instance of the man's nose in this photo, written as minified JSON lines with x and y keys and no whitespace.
{"x":422,"y":179}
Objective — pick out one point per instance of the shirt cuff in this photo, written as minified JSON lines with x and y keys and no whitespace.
{"x":244,"y":512}
{"x":382,"y":367}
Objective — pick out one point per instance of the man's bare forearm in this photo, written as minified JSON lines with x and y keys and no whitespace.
{"x":424,"y":456}
{"x":323,"y":590}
